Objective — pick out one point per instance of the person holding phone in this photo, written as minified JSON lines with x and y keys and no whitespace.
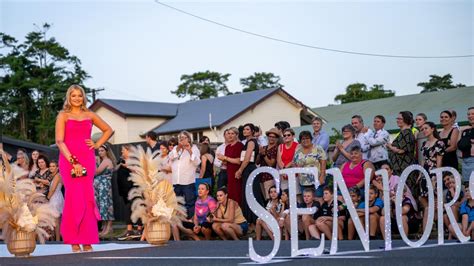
{"x":184,"y":158}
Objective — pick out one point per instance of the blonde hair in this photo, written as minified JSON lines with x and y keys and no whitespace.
{"x":67,"y":101}
{"x":234,"y":129}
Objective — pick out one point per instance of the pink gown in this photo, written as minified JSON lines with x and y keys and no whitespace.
{"x":80,"y":213}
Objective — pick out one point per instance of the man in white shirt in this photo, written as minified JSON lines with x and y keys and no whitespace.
{"x":185,"y":158}
{"x":362,"y":135}
{"x":378,"y":153}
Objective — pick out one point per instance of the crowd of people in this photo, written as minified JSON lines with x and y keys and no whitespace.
{"x":212,"y":181}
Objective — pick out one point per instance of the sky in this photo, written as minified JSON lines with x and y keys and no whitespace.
{"x":138,"y":50}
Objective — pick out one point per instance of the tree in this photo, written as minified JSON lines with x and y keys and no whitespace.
{"x":357,"y":92}
{"x":439,"y":83}
{"x":260,"y":81}
{"x":34,"y":78}
{"x":202,"y":85}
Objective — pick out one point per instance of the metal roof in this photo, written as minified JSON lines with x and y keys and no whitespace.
{"x":195,"y":114}
{"x":431,"y":103}
{"x":138,"y":108}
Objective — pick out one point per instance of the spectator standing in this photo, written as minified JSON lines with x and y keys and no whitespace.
{"x":402,"y":149}
{"x":378,"y":153}
{"x":55,"y":196}
{"x":268,"y":157}
{"x":320,"y":137}
{"x":103,"y":188}
{"x":466,"y":146}
{"x":42,"y":177}
{"x":248,"y":158}
{"x":449,"y":135}
{"x":219,"y":165}
{"x":185,"y":158}
{"x":342,"y":151}
{"x":231,"y":157}
{"x":285,"y":154}
{"x":33,"y":163}
{"x":362,"y":134}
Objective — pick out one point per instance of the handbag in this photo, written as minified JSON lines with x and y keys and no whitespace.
{"x":73,"y":173}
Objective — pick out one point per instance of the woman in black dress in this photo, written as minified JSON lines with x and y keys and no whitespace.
{"x":248,"y":157}
{"x":449,"y":135}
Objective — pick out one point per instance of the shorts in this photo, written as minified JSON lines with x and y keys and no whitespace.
{"x":245,"y":227}
{"x":189,"y":225}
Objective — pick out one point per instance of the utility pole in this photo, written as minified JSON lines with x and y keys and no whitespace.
{"x":94,"y":92}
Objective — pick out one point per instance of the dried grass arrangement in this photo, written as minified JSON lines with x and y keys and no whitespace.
{"x":22,"y":209}
{"x":153,"y":196}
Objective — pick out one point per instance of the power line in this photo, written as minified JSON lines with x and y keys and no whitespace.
{"x":311,"y":46}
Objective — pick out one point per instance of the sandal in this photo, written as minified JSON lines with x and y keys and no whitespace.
{"x":87,"y":248}
{"x":76,"y":248}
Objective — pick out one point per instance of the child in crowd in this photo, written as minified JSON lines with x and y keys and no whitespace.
{"x":466,"y":211}
{"x":324,"y":221}
{"x":411,"y":222}
{"x":205,"y":206}
{"x":375,"y":211}
{"x":284,"y":199}
{"x":275,"y":207}
{"x":307,"y":219}
{"x":448,"y":197}
{"x":354,"y":192}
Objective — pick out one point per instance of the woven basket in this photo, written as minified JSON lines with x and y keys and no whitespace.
{"x":158,"y":233}
{"x":21,"y":243}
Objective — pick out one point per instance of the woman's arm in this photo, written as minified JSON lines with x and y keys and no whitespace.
{"x":203,"y":166}
{"x":54,"y":185}
{"x":104,"y":127}
{"x":336,"y":153}
{"x":245,"y":162}
{"x":229,"y":217}
{"x":270,"y":161}
{"x":279,"y":160}
{"x":60,"y":127}
{"x":322,"y":172}
{"x":453,"y":141}
{"x":102,"y":166}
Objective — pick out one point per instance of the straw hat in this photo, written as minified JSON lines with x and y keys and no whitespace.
{"x":274,"y":131}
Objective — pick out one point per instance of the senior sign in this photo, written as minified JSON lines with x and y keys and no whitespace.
{"x":363,"y":233}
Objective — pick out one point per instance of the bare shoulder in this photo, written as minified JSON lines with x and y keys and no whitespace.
{"x":90,"y":114}
{"x":62,"y":115}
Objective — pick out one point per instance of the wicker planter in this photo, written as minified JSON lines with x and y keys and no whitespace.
{"x":158,"y":233}
{"x":21,"y":243}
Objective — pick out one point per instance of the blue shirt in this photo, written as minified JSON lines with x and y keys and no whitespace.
{"x":378,"y":203}
{"x":322,"y":139}
{"x":465,"y":209}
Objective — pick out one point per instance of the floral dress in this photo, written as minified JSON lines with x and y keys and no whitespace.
{"x":309,"y":160}
{"x":271,"y":153}
{"x":430,"y":155}
{"x":103,"y":195}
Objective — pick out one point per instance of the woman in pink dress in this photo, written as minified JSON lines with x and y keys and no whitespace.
{"x":77,"y":168}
